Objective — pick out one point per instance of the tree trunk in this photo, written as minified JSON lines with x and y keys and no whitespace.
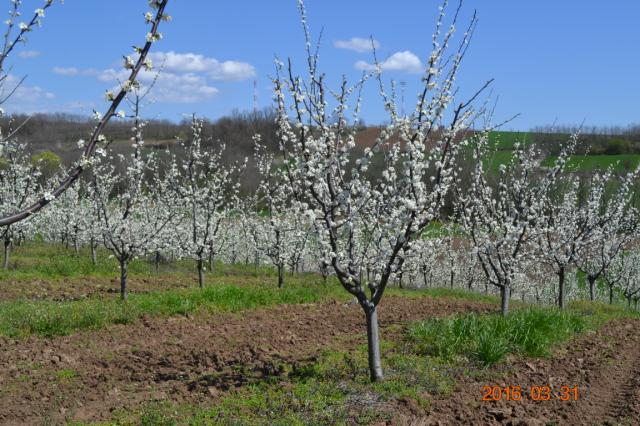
{"x":124,"y":267}
{"x":76,"y":247}
{"x":561,"y":288}
{"x":611,"y":295}
{"x":592,"y":287}
{"x":156,"y":260}
{"x":94,"y":257}
{"x":7,"y":253}
{"x":280,"y":276}
{"x":200,"y":272}
{"x":452,"y":275}
{"x":505,"y":294}
{"x":373,"y":343}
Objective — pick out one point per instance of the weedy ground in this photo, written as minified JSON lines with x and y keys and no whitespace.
{"x":242,"y":351}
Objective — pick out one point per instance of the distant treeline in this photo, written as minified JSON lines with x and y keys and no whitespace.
{"x":612,"y":140}
{"x":59,"y":132}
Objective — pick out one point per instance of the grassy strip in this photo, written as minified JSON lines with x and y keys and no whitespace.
{"x":47,"y":318}
{"x":586,"y":163}
{"x":488,"y":339}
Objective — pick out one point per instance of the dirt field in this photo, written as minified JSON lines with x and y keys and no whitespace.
{"x":605,"y":366}
{"x":87,"y":376}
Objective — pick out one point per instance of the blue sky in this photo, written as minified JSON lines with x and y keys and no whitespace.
{"x":553,"y":61}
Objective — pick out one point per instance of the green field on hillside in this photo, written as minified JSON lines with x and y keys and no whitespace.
{"x":586,"y":163}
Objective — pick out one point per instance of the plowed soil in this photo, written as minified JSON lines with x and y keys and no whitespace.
{"x":85,"y":287}
{"x":87,"y":376}
{"x":185,"y":360}
{"x":604,"y":365}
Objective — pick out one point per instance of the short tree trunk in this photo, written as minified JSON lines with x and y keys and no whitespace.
{"x":280,"y":276}
{"x":373,"y":343}
{"x":124,"y":268}
{"x":592,"y":287}
{"x":505,"y":295}
{"x":561,"y":302}
{"x":611,"y":295}
{"x":7,"y":253}
{"x":156,"y":260}
{"x":94,"y":256}
{"x":200,"y":272}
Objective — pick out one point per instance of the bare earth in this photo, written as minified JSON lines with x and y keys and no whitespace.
{"x":189,"y":360}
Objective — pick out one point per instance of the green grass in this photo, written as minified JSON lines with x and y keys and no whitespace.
{"x":506,"y":141}
{"x":495,"y":159}
{"x":488,"y":339}
{"x":587,"y":163}
{"x":53,"y":261}
{"x":49,"y":318}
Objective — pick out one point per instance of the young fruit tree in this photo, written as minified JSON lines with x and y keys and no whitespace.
{"x":501,"y":220}
{"x":18,"y":184}
{"x":134,"y":205}
{"x":285,"y":228}
{"x":207,"y":190}
{"x":569,"y":225}
{"x":616,"y":228}
{"x":368,"y":219}
{"x":133,"y":64}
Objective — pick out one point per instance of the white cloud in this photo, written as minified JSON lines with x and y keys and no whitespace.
{"x":405,"y":61}
{"x":69,"y":72}
{"x":169,"y":87}
{"x":193,"y":62}
{"x":25,"y":98}
{"x":357,"y":44}
{"x":28,"y":54}
{"x":184,"y":77}
{"x":233,"y":71}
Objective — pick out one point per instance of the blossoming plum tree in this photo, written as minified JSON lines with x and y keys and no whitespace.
{"x":134,"y":206}
{"x":365,"y":220}
{"x":616,"y":228}
{"x":208,"y":189}
{"x":153,"y":18}
{"x":502,"y":221}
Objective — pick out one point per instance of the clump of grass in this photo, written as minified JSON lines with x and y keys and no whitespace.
{"x":66,"y":374}
{"x":488,"y":339}
{"x":49,"y":318}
